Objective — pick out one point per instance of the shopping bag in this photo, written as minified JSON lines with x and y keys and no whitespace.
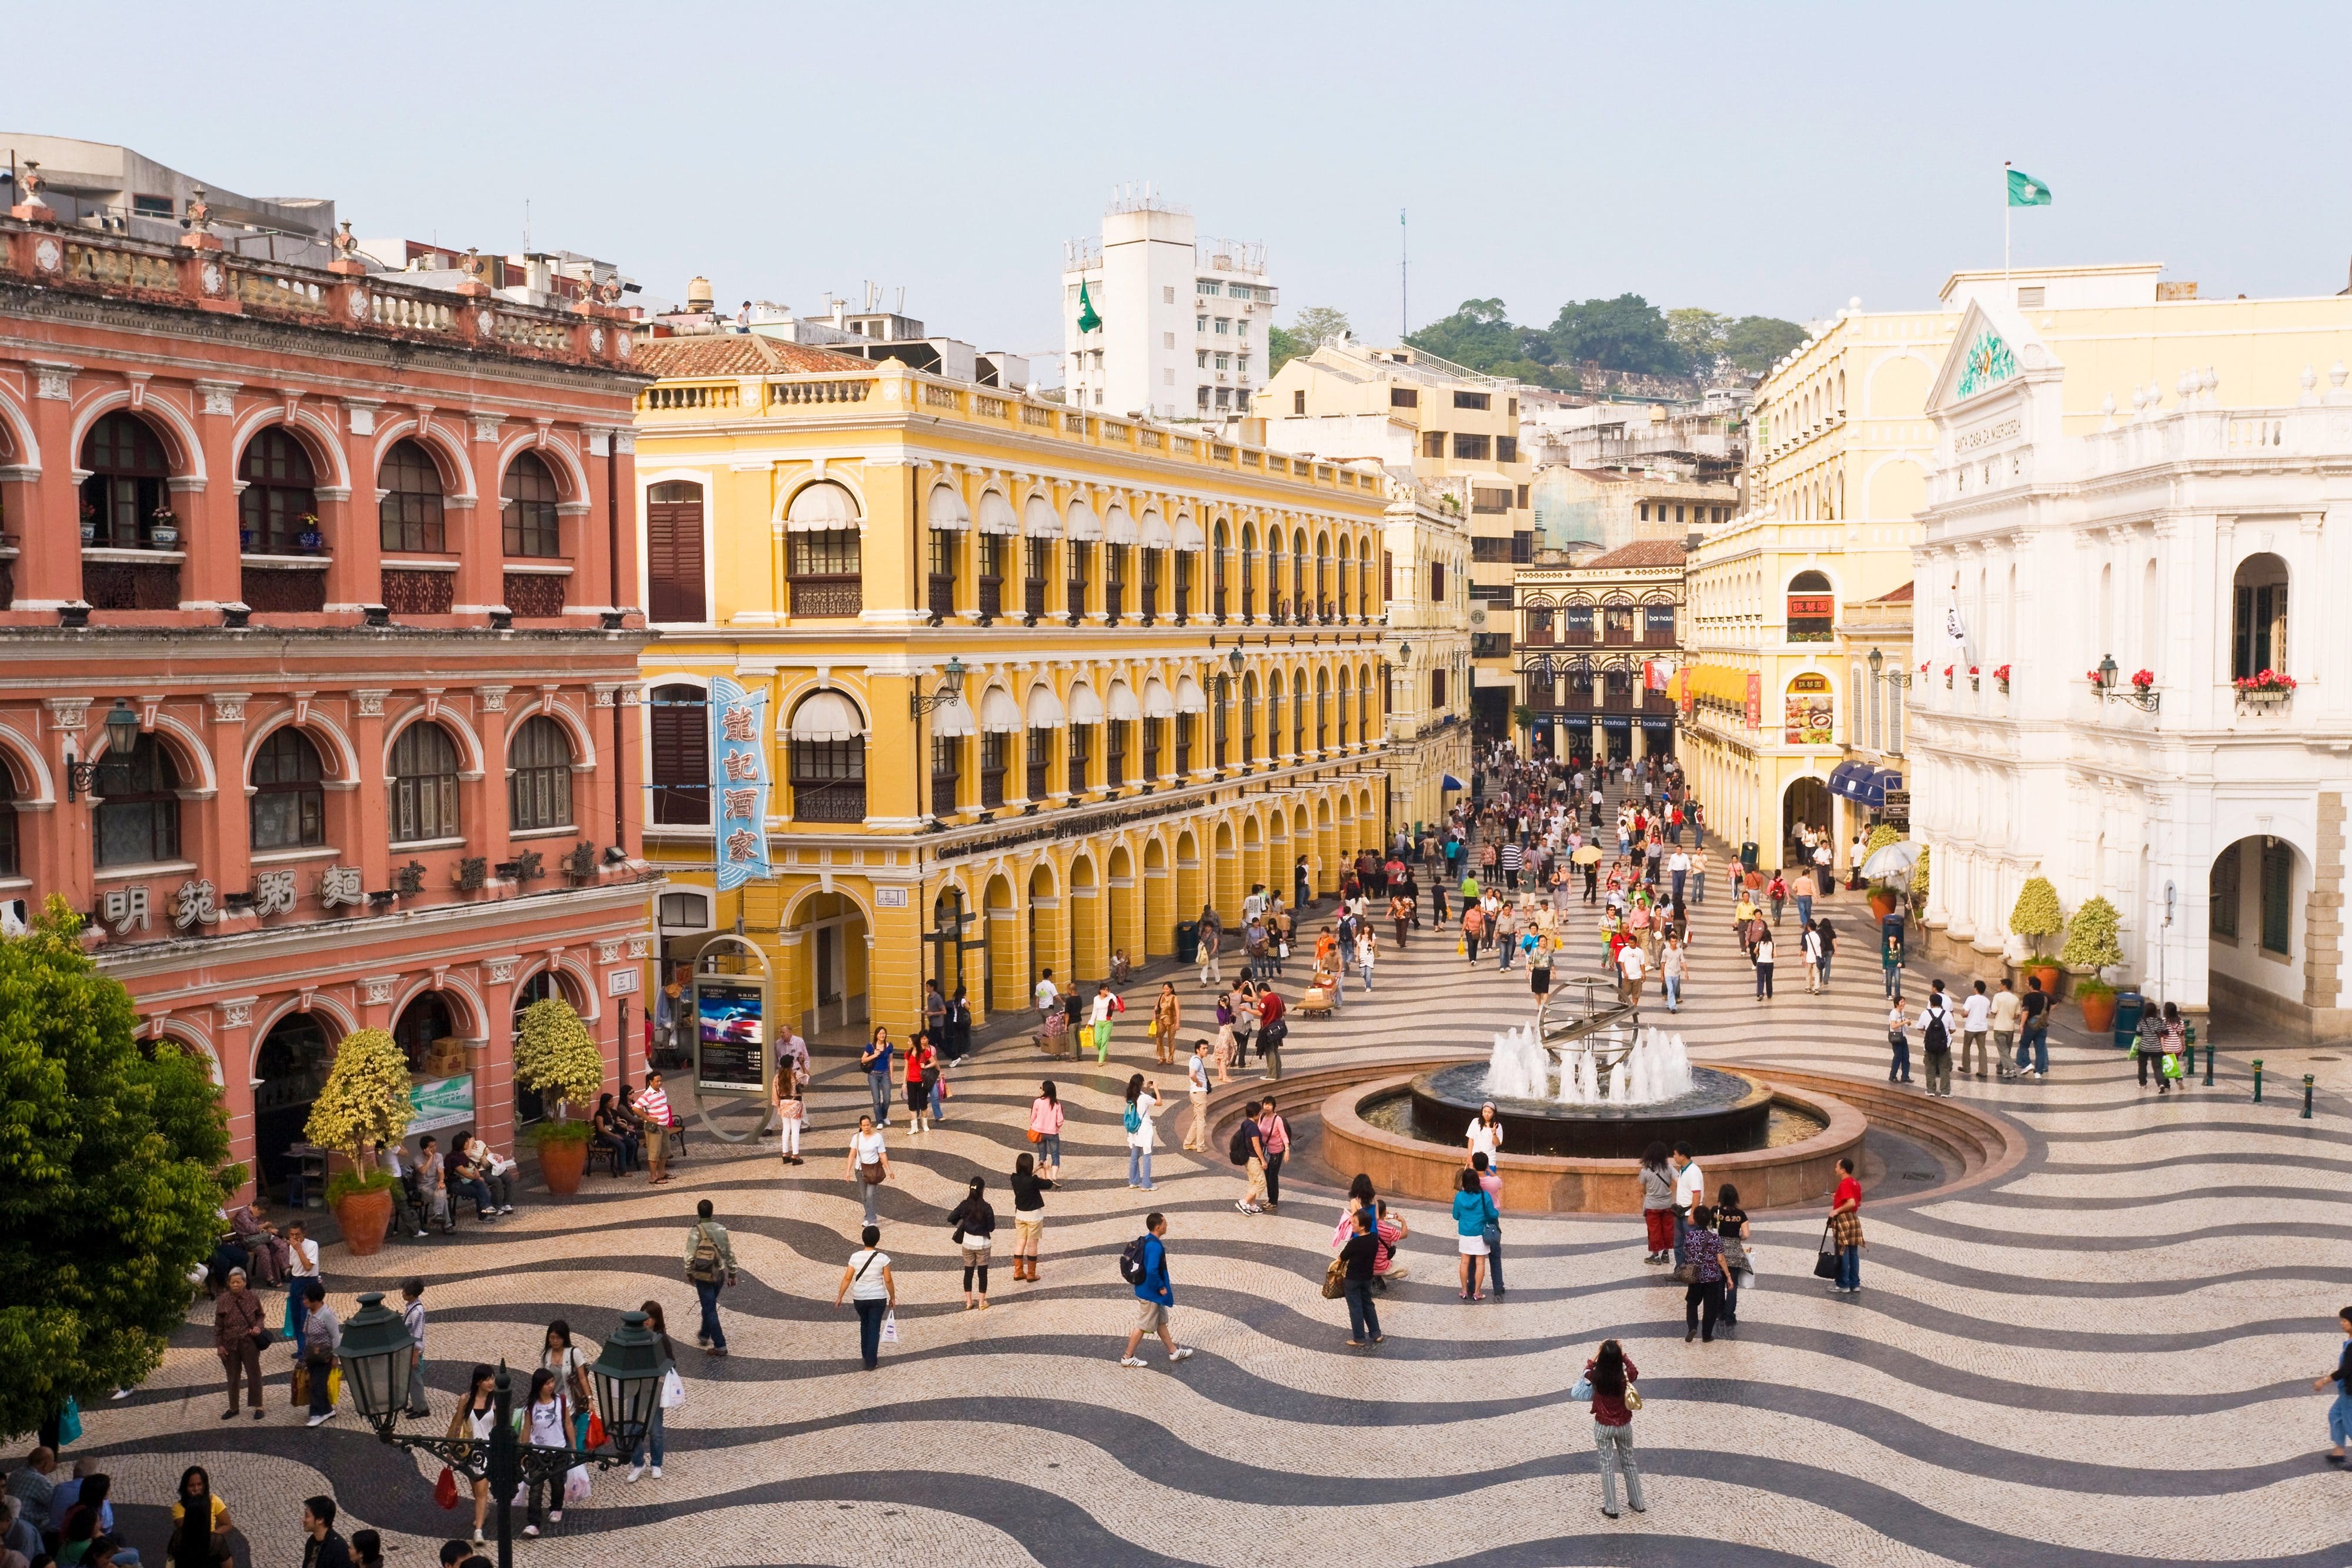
{"x":334,"y":1385}
{"x":575,"y":1485}
{"x":298,"y":1387}
{"x":595,"y":1430}
{"x":70,"y":1423}
{"x":673,"y":1393}
{"x":444,"y":1491}
{"x":1825,"y":1263}
{"x":890,"y":1328}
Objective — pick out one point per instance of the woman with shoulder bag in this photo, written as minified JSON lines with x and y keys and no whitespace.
{"x":571,"y":1370}
{"x":791,"y":1111}
{"x":1608,"y":1381}
{"x":869,"y":1165}
{"x":1731,"y":1231}
{"x":972,"y":1226}
{"x":1700,"y":1273}
{"x":1046,"y":1129}
{"x":471,"y":1422}
{"x":867,"y":1283}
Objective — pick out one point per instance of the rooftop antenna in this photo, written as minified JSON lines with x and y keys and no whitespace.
{"x":525,"y":225}
{"x":902,"y":299}
{"x":1404,"y":263}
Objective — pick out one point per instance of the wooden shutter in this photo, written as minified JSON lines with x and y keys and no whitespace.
{"x":674,"y":560}
{"x":680,"y":764}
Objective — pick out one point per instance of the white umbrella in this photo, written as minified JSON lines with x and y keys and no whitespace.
{"x":1892,"y":861}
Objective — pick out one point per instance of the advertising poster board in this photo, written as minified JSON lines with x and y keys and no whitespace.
{"x":730,"y":1036}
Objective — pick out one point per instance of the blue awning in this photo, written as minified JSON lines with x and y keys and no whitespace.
{"x":1451,"y":783}
{"x":1864,"y":783}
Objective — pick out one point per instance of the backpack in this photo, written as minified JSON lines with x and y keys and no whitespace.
{"x":1937,"y":1037}
{"x":1133,"y":1120}
{"x":1239,"y":1150}
{"x":703,"y":1267}
{"x":1130,"y":1260}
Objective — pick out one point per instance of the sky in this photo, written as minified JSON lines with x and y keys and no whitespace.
{"x":1773,"y":160}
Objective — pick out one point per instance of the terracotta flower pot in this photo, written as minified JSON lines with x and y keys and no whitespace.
{"x":1882,"y":903}
{"x":2045,"y":972}
{"x":365,"y":1217}
{"x":2099,"y":1011}
{"x":563,"y":1163}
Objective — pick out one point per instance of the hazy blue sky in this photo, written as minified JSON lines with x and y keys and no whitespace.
{"x":1774,"y":159}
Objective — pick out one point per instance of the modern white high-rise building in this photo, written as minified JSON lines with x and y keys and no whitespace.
{"x":1179,"y":324}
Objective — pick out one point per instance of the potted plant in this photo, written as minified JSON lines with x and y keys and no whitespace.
{"x":2034,"y":916}
{"x":2001,"y":676}
{"x":2143,"y":679}
{"x":1919,"y":886}
{"x":556,"y":1060}
{"x":163,"y":527}
{"x":1947,"y":677}
{"x":2091,"y":949}
{"x":365,"y":1103}
{"x":311,"y":539}
{"x":2269,"y":688}
{"x":244,"y":537}
{"x":88,"y":522}
{"x":2098,"y":682}
{"x":1883,"y":896}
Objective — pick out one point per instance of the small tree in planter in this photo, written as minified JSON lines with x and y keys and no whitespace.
{"x":2035,"y":916}
{"x":1919,"y":886}
{"x":556,"y":1060}
{"x":365,"y":1103}
{"x":2091,"y":948}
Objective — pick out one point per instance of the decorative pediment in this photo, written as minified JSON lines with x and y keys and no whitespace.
{"x":1991,"y":351}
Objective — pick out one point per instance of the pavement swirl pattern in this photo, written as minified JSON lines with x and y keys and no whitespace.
{"x":2102,"y":1357}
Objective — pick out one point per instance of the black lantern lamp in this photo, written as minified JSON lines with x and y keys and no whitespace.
{"x":377,"y":1360}
{"x":122,"y":736}
{"x":1234,"y":660}
{"x":950,"y":690}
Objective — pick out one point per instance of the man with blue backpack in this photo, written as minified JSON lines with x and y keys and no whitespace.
{"x":1144,"y":1265}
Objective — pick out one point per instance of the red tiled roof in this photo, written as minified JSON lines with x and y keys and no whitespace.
{"x":1900,"y":596}
{"x":737,"y":354}
{"x":1640,"y":552}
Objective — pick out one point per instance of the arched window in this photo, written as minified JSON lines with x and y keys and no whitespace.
{"x":538,"y":776}
{"x":1363,"y":704}
{"x":1345,"y":588}
{"x":10,"y":854}
{"x":279,"y":502}
{"x":138,"y":805}
{"x":1323,"y":710}
{"x":674,"y":552}
{"x":424,"y":784}
{"x":1364,"y":581}
{"x":2257,"y":617}
{"x":829,"y":780}
{"x":126,"y":487}
{"x":826,"y":556}
{"x":1298,"y":715}
{"x":1220,"y":716}
{"x":1249,"y":718}
{"x":1301,"y":605}
{"x":1323,"y":574}
{"x":424,"y":1020}
{"x":1273,"y":713}
{"x":1249,"y":572}
{"x":409,"y":515}
{"x":289,"y":809}
{"x":1812,"y":608}
{"x":528,"y":498}
{"x":678,"y":720}
{"x":1217,"y":543}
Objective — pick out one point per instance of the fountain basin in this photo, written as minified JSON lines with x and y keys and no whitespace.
{"x":1725,"y":1112}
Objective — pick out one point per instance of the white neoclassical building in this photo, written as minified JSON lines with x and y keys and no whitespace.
{"x":2178,"y":536}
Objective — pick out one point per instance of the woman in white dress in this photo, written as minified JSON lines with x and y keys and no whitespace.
{"x":1485,"y":1136}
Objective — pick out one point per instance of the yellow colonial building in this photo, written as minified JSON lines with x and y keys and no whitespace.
{"x":1427,"y":553}
{"x":1029,"y":684}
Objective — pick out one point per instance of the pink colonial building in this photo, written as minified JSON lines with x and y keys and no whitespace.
{"x":315,"y":653}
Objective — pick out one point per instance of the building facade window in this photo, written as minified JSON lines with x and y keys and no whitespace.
{"x":527,"y":519}
{"x":280,"y":498}
{"x":947,"y":768}
{"x":138,"y":805}
{"x":2278,"y":887}
{"x":409,"y":518}
{"x":828,"y":779}
{"x":678,"y":725}
{"x":1038,"y":762}
{"x":2224,"y":894}
{"x":539,"y":781}
{"x":993,"y":747}
{"x":288,"y":808}
{"x":126,"y":486}
{"x":673,"y":559}
{"x":2258,"y":617}
{"x":11,"y":855}
{"x":424,"y":784}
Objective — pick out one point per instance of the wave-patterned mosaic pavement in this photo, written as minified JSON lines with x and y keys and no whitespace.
{"x":2103,"y":1356}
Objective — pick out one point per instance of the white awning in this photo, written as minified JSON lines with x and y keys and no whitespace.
{"x":1085,"y":526}
{"x":1037,"y":519}
{"x":1046,"y":709}
{"x":1157,"y":703}
{"x":1155,"y":535}
{"x":999,"y":714}
{"x":826,"y":715}
{"x":1118,"y":529}
{"x":822,"y":507}
{"x":953,"y":721}
{"x":1121,"y":704}
{"x":1187,"y":536}
{"x":946,"y":509}
{"x":1085,"y":707}
{"x":996,"y":513}
{"x":1188,"y":695}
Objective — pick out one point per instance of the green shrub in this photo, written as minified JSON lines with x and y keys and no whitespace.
{"x":365,"y":1098}
{"x":2037,"y":914}
{"x":350,"y":1184}
{"x":551,"y":1130}
{"x":554,"y":1056}
{"x":2091,"y":941}
{"x":2092,"y":986}
{"x":1880,"y":837}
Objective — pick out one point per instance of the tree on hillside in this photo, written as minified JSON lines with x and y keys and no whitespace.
{"x":1314,"y":326}
{"x":1482,"y":336}
{"x":1755,"y":342}
{"x":1626,"y":333}
{"x":1699,"y":334}
{"x":112,"y":1176}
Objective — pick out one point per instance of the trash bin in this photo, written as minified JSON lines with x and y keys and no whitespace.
{"x":2130,"y":1006}
{"x":1748,"y":854}
{"x":1188,"y":941}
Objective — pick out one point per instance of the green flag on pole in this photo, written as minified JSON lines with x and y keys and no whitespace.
{"x":1090,"y":321}
{"x":2025,"y":191}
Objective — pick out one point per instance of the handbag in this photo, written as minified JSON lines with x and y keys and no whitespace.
{"x":1580,"y":1390}
{"x":1036,"y":1137}
{"x":297,"y":1387}
{"x":1825,"y":1263}
{"x":1335,"y":1280}
{"x":1632,"y":1397}
{"x":70,"y":1423}
{"x":445,"y":1489}
{"x":595,"y":1430}
{"x":1686,"y":1273}
{"x":575,"y":1485}
{"x":870,"y":1172}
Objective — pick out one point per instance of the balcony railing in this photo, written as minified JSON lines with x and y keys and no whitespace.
{"x":943,"y":794}
{"x":534,"y":593}
{"x":832,"y":594}
{"x":411,"y":593}
{"x":1032,"y":598}
{"x":287,"y":591}
{"x":832,"y":800}
{"x":130,"y":584}
{"x":942,"y":595}
{"x":992,"y":597}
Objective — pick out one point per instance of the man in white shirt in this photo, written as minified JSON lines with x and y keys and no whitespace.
{"x":1196,"y":1073}
{"x":1678,"y":866}
{"x":1633,"y":967}
{"x":1975,"y":1025}
{"x":1935,"y":1024}
{"x":1690,"y":1190}
{"x":1047,"y":995}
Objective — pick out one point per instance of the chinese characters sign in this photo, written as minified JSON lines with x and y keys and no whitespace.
{"x":739,"y":764}
{"x":1755,"y":699}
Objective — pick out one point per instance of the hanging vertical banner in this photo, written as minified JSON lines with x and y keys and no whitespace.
{"x":739,"y":781}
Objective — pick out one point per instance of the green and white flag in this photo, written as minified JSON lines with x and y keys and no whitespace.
{"x":2025,"y":191}
{"x":1088,"y":321}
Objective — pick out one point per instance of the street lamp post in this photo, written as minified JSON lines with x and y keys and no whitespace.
{"x":628,"y":1376}
{"x":121,"y":735}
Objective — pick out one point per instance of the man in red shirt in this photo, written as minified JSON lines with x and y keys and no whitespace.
{"x":1271,"y":1030}
{"x":1845,"y":1230}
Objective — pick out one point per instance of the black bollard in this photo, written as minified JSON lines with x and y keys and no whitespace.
{"x":2306,"y":1096}
{"x":2258,"y":1080}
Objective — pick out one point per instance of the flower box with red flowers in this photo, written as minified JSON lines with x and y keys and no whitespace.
{"x":2143,"y":679}
{"x":2267,"y":688}
{"x":2001,"y":674}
